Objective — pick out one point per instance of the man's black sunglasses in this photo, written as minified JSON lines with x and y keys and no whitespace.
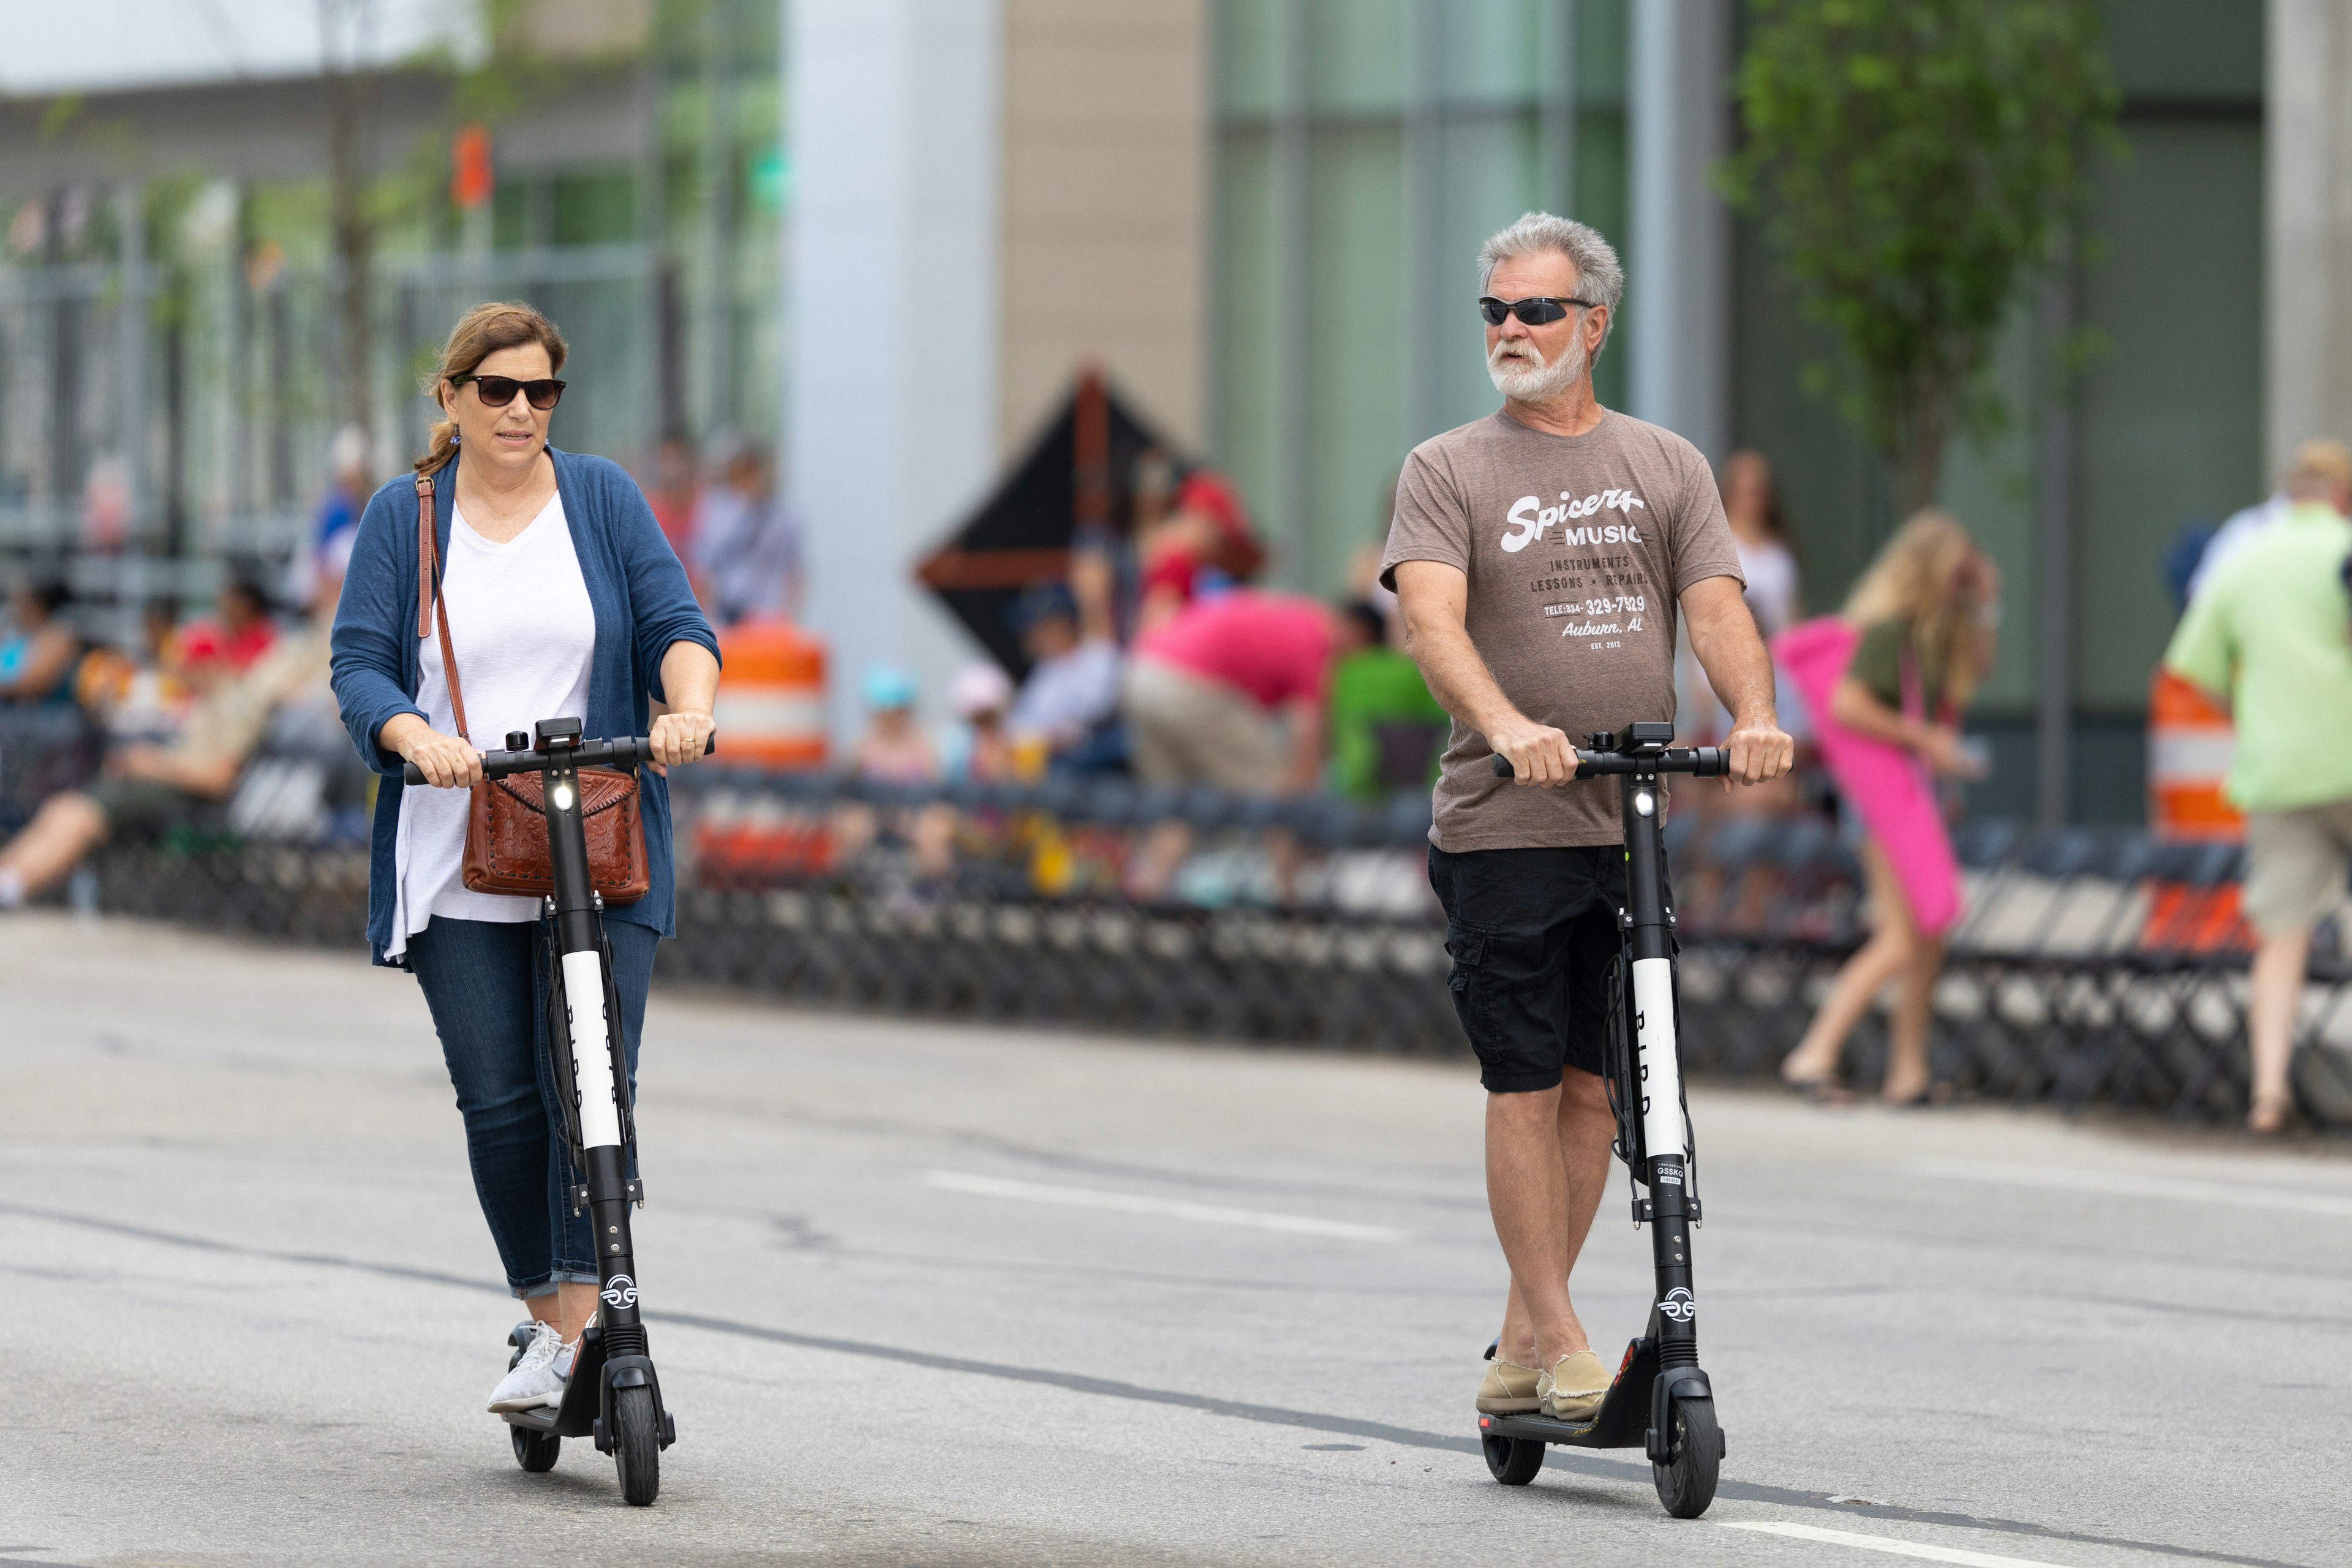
{"x":497,"y":391}
{"x":1535,"y":310}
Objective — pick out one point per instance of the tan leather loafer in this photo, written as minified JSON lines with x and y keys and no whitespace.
{"x":1574,"y":1389}
{"x":1510,"y":1389}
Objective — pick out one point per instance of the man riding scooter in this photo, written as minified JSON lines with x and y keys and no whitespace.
{"x":1539,"y":555}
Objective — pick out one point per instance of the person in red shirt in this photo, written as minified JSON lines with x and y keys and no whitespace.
{"x":232,"y":640}
{"x":1229,"y":691}
{"x":1205,"y":540}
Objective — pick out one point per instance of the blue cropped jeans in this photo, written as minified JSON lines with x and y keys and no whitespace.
{"x":487,"y":985}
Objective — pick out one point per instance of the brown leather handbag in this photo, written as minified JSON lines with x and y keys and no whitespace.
{"x":506,"y":832}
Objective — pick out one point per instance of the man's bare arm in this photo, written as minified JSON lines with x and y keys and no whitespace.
{"x":1723,"y":635}
{"x":1434,"y":599}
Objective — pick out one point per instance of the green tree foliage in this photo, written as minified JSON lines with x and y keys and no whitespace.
{"x":1914,"y":163}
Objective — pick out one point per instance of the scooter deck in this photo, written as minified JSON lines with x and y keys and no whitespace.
{"x":1622,"y":1422}
{"x":582,"y":1394}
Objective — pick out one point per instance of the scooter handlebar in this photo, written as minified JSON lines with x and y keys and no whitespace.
{"x":625,"y":752}
{"x":1704,"y":762}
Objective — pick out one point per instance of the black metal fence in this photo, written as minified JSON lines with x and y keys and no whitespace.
{"x":2092,"y":968}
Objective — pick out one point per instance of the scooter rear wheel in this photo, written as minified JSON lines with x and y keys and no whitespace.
{"x":1687,"y":1484}
{"x":636,"y":1445}
{"x":535,"y":1451}
{"x":1513,"y":1460}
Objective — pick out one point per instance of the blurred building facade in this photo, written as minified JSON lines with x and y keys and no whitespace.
{"x":885,"y":232}
{"x":175,"y":351}
{"x":1321,"y":262}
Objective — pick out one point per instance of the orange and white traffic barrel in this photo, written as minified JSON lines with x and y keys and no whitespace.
{"x":771,"y":707}
{"x":2190,"y":742}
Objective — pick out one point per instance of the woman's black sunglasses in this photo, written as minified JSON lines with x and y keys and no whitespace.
{"x":1535,"y":310}
{"x":497,"y":391}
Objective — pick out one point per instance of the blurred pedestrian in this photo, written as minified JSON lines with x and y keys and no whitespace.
{"x":2318,"y":470}
{"x":1230,"y":692}
{"x":2266,"y":633}
{"x":238,"y":632}
{"x":1386,"y":729}
{"x":747,"y":543}
{"x":350,"y":480}
{"x":1543,"y":557}
{"x":147,"y":788}
{"x":893,"y":750}
{"x":1203,"y":543}
{"x":1888,"y":681}
{"x":38,"y":656}
{"x":980,"y":749}
{"x":1759,"y":531}
{"x":1071,"y":697}
{"x":671,"y":495}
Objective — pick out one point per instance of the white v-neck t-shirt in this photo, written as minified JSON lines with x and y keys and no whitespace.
{"x":524,"y":631}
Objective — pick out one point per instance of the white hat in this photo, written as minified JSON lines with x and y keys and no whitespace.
{"x":978,"y":688}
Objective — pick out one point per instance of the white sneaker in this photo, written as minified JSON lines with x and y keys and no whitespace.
{"x":539,"y":1377}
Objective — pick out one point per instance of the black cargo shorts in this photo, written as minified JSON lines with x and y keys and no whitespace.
{"x":1533,"y":933}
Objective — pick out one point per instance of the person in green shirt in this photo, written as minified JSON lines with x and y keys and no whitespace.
{"x":2269,"y":634}
{"x":1386,"y":729}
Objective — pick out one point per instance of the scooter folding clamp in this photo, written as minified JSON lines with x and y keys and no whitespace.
{"x":633,"y":1190}
{"x":1641,"y":1212}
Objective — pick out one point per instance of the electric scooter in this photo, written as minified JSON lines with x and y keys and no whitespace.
{"x":1659,"y":1401}
{"x":613,"y":1394}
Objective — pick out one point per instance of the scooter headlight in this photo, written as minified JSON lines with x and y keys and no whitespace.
{"x":562,"y":796}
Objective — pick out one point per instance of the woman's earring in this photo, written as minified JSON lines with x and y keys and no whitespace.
{"x":455,"y":437}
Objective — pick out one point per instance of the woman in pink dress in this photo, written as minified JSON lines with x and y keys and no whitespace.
{"x":1887,"y":680}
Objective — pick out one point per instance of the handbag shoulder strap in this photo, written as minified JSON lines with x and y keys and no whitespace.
{"x":432,"y":610}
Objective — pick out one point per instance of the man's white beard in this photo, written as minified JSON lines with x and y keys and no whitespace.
{"x":1537,"y":382}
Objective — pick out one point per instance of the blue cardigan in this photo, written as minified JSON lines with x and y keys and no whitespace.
{"x":643,"y":605}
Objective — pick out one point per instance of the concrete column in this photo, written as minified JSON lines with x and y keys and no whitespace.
{"x":892,"y":312}
{"x":1677,"y":310}
{"x":2308,"y":151}
{"x":1106,"y":208}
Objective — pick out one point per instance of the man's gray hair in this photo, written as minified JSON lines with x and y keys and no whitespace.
{"x":1599,"y":278}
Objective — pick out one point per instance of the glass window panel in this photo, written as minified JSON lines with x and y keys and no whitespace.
{"x":595,"y":208}
{"x":1601,"y":52}
{"x":1249,"y":56}
{"x":1489,"y":179}
{"x":1356,"y":349}
{"x":2187,"y":49}
{"x":2171,"y":413}
{"x":1247,"y":342}
{"x":1491,"y":50}
{"x":1601,"y":194}
{"x":1356,"y":54}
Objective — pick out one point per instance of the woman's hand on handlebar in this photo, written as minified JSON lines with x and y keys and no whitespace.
{"x":1539,"y":754}
{"x":446,"y":762}
{"x":678,"y":737}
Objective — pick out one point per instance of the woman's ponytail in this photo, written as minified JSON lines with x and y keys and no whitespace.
{"x":479,"y":333}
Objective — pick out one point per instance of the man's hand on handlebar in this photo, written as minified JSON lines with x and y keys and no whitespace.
{"x":446,"y":762}
{"x":1538,"y":755}
{"x":1758,"y":752}
{"x":678,"y":737}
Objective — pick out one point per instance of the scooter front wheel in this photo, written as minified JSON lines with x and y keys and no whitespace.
{"x":1513,"y":1460}
{"x":535,"y":1451}
{"x":1687,"y":1484}
{"x":636,"y":1445}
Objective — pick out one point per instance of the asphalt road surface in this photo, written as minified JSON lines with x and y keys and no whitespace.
{"x":937,"y":1295}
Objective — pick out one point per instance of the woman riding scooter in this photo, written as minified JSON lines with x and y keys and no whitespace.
{"x":563,"y":599}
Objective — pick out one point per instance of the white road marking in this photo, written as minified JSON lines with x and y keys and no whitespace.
{"x":2065,"y":1178}
{"x":1167,"y":1208}
{"x":1888,"y":1544}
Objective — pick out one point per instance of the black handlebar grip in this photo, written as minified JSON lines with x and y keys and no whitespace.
{"x":1503,"y":769}
{"x":410,"y":772}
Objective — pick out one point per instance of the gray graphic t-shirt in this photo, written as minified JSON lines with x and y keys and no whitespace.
{"x":1576,"y":548}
